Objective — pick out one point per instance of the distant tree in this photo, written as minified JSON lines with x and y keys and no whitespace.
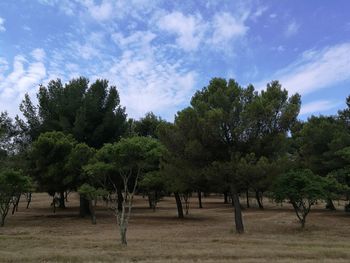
{"x":91,"y":194}
{"x":7,"y":132}
{"x":153,"y":184}
{"x":50,"y":155}
{"x":12,"y":184}
{"x":302,"y":189}
{"x":319,"y":143}
{"x":147,"y":126}
{"x":91,"y":113}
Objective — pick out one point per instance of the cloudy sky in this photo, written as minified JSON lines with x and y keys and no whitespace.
{"x":158,"y":53}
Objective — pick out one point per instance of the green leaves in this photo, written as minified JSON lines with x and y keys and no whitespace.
{"x":92,"y":114}
{"x":90,"y":192}
{"x":12,"y":183}
{"x":298,"y":185}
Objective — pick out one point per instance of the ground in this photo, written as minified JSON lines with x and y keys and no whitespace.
{"x":206,"y":235}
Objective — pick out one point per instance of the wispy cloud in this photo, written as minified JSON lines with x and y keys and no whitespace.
{"x":315,"y":70}
{"x":227,"y":27}
{"x":292,"y":29}
{"x":319,"y":106}
{"x":189,"y":29}
{"x":147,"y":80}
{"x":24,"y":77}
{"x":2,"y":25}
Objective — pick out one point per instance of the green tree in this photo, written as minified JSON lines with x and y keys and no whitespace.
{"x":120,"y":166}
{"x":148,"y":125}
{"x":50,"y":155}
{"x":302,"y":189}
{"x":319,"y":143}
{"x":91,"y":194}
{"x":12,"y":184}
{"x":91,"y":113}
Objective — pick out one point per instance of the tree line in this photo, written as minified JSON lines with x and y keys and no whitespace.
{"x":230,"y":140}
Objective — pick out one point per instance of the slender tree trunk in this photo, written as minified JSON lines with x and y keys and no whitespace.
{"x":120,"y":199}
{"x":15,"y":205}
{"x":330,"y":205}
{"x":199,"y":199}
{"x":92,"y":212}
{"x":347,"y":207}
{"x":29,"y":199}
{"x":247,"y":196}
{"x":62,"y":200}
{"x":2,"y":223}
{"x":238,"y":213}
{"x":123,"y":236}
{"x":180,"y":213}
{"x":258,"y":199}
{"x":84,"y":208}
{"x":150,"y":200}
{"x":225,"y":198}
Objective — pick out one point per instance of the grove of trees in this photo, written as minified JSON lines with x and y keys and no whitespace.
{"x":230,"y":140}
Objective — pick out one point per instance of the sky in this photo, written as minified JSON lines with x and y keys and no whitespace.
{"x":158,"y":53}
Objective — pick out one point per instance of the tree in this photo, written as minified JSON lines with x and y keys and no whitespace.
{"x":148,"y":125}
{"x":184,"y":162}
{"x":91,"y":194}
{"x":12,"y":184}
{"x":153,"y":184}
{"x":302,"y":188}
{"x":319,"y":143}
{"x":91,"y":113}
{"x":120,"y":166}
{"x":50,"y":156}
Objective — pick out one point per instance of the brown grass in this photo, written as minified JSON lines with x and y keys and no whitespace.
{"x":206,"y":235}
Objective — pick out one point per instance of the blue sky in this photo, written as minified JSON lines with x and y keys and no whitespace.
{"x":158,"y":53}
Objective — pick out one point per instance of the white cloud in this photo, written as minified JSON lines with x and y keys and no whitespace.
{"x":227,"y":27}
{"x":2,"y":27}
{"x":316,"y":107}
{"x":38,"y":54}
{"x":292,"y":29}
{"x":316,"y":69}
{"x":259,"y":12}
{"x":188,"y":29}
{"x":24,"y":78}
{"x":100,"y":12}
{"x":273,"y":16}
{"x":66,"y":6}
{"x":147,"y":81}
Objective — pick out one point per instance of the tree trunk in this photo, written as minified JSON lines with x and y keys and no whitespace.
{"x":150,"y":204}
{"x":92,"y":212}
{"x":238,"y":213}
{"x":180,"y":213}
{"x":347,"y":207}
{"x":2,"y":223}
{"x":15,"y":205}
{"x":200,"y":199}
{"x":120,"y":199}
{"x":29,"y":199}
{"x":247,"y":196}
{"x":258,"y":199}
{"x":330,"y":205}
{"x":84,"y":208}
{"x":62,"y":200}
{"x":123,"y":235}
{"x":225,"y":198}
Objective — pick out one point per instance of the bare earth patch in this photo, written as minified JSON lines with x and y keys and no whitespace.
{"x":206,"y":235}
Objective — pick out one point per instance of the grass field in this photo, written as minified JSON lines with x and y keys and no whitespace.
{"x":206,"y":235}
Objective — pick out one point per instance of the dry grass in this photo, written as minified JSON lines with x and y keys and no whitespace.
{"x":206,"y":235}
